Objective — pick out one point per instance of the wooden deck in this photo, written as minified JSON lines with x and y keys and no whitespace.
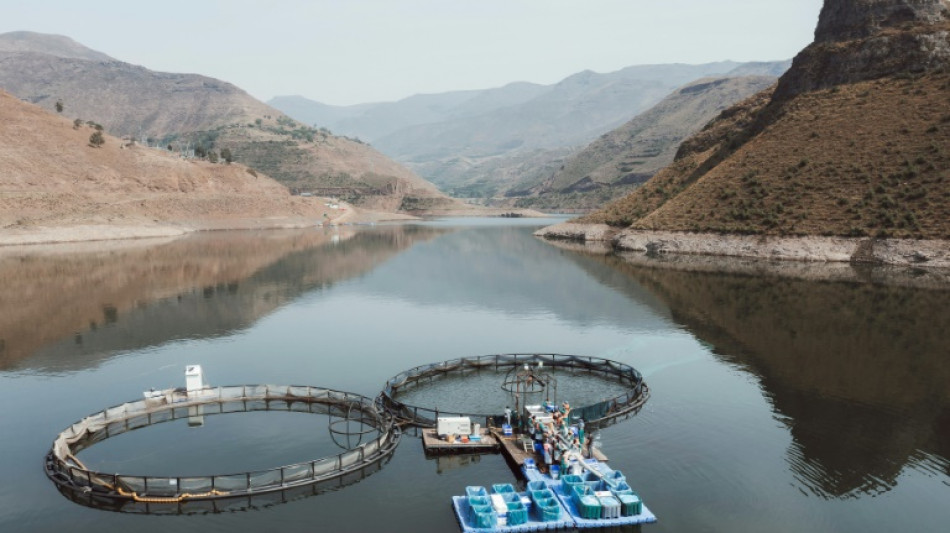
{"x":517,"y":448}
{"x":434,"y":445}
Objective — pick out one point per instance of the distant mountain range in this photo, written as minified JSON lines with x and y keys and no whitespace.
{"x":491,"y":142}
{"x":626,"y":157}
{"x":189,"y":111}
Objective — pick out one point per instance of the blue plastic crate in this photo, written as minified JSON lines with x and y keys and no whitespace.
{"x":479,"y":500}
{"x":536,"y":485}
{"x":568,"y":481}
{"x":517,"y":513}
{"x":484,"y":517}
{"x":475,"y":491}
{"x":503,"y":488}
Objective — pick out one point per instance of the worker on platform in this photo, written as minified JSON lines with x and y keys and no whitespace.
{"x":565,"y":409}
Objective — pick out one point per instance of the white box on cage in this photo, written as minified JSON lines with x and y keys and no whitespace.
{"x":194,"y":379}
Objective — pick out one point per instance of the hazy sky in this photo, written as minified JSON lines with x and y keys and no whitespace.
{"x":354,"y":51}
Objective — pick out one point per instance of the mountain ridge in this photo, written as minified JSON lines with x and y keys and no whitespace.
{"x":55,"y":45}
{"x":194,"y":111}
{"x":504,"y":141}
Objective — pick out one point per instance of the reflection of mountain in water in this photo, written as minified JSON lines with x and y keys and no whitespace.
{"x":65,"y":311}
{"x":858,"y":371}
{"x":505,"y":268}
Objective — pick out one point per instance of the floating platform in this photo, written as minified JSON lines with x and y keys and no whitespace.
{"x":487,"y":443}
{"x":463,"y":513}
{"x":644,"y":517}
{"x":517,"y":448}
{"x":570,"y":516}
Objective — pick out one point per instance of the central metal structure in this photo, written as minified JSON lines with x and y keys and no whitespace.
{"x":527,"y":384}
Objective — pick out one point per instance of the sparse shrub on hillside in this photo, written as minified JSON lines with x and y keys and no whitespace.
{"x":213,"y":156}
{"x":59,"y":106}
{"x":226,"y":155}
{"x":96,"y":139}
{"x":77,"y":123}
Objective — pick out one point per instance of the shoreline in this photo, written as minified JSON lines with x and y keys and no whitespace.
{"x":91,"y":232}
{"x":898,"y":252}
{"x":63,"y":233}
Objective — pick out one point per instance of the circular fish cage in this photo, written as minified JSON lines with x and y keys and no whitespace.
{"x":350,"y":415}
{"x":519,"y":368}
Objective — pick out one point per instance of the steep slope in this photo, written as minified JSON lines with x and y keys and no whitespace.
{"x":192,"y":111}
{"x":852,"y":142}
{"x":52,"y":175}
{"x":633,"y":153}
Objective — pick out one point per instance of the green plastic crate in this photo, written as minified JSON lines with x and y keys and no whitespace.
{"x":630,"y":503}
{"x":588,"y":506}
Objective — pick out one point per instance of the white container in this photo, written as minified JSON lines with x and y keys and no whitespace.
{"x":194,"y":379}
{"x":459,"y":425}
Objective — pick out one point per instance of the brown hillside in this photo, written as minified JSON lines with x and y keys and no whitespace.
{"x":631,"y":154}
{"x":853,"y":141}
{"x":52,"y":175}
{"x":186,"y":110}
{"x":331,"y":166}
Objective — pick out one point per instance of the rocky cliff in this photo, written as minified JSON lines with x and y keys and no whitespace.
{"x":851,"y":143}
{"x":844,"y":20}
{"x":859,"y":40}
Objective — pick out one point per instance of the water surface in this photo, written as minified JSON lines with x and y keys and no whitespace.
{"x":777,"y":403}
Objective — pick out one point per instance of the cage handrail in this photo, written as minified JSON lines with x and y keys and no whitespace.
{"x":612,"y":407}
{"x":66,"y":470}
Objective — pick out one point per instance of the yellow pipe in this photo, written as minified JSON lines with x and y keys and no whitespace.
{"x":174,"y":499}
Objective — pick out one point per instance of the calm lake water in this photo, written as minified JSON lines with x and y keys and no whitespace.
{"x":778,"y":403}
